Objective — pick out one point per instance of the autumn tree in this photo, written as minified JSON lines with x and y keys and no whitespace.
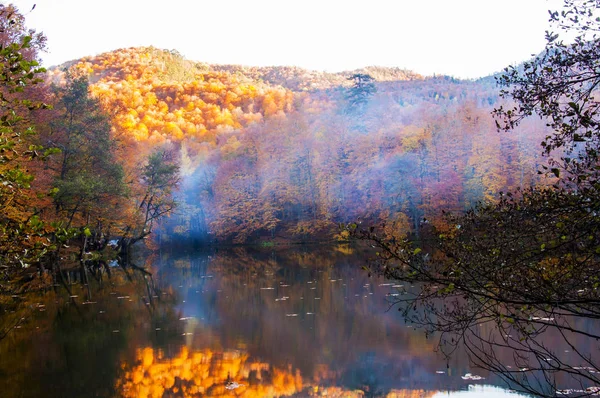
{"x":87,"y":173}
{"x":20,"y":224}
{"x":158,"y":177}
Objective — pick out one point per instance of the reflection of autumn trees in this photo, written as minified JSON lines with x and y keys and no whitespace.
{"x":71,"y":346}
{"x":209,"y":374}
{"x":205,"y":373}
{"x":306,"y":308}
{"x":242,"y":331}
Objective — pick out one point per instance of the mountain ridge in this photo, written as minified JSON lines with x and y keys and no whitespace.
{"x":292,"y":77}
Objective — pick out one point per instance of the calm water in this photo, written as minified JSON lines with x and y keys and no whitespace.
{"x":295,"y":322}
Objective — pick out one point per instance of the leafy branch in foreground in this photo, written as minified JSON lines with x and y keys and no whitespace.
{"x":19,"y":223}
{"x":561,"y":86}
{"x":516,"y":283}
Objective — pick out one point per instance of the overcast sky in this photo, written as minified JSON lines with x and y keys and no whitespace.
{"x":462,"y":38}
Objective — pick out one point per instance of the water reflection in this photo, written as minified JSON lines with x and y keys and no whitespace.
{"x":225,"y":374}
{"x":235,"y":374}
{"x":477,"y":391}
{"x":302,"y":322}
{"x":314,"y":314}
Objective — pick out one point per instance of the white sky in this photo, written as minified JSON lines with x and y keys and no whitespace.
{"x":462,"y":38}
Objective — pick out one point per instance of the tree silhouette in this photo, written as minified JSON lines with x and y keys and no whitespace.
{"x":360,"y":93}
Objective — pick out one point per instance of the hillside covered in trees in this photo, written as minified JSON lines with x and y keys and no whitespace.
{"x":279,"y":153}
{"x":110,"y":150}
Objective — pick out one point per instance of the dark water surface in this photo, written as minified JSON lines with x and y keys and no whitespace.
{"x":254,"y":323}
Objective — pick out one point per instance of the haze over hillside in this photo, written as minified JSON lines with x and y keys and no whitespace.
{"x":278,"y":153}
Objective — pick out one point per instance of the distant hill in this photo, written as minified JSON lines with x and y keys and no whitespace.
{"x":168,"y":97}
{"x":158,"y":95}
{"x":170,"y":65}
{"x":298,"y":79}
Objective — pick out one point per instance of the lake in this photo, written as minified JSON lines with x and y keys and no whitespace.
{"x":302,"y":321}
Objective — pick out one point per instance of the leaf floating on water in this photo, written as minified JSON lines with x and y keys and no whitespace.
{"x":267,"y":288}
{"x":310,"y":313}
{"x":440,"y":372}
{"x":470,"y":376}
{"x":291,"y":314}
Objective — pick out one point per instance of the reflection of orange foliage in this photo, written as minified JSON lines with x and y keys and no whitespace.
{"x":206,"y":373}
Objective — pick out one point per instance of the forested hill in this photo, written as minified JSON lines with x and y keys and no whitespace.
{"x":286,"y":153}
{"x":298,"y":79}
